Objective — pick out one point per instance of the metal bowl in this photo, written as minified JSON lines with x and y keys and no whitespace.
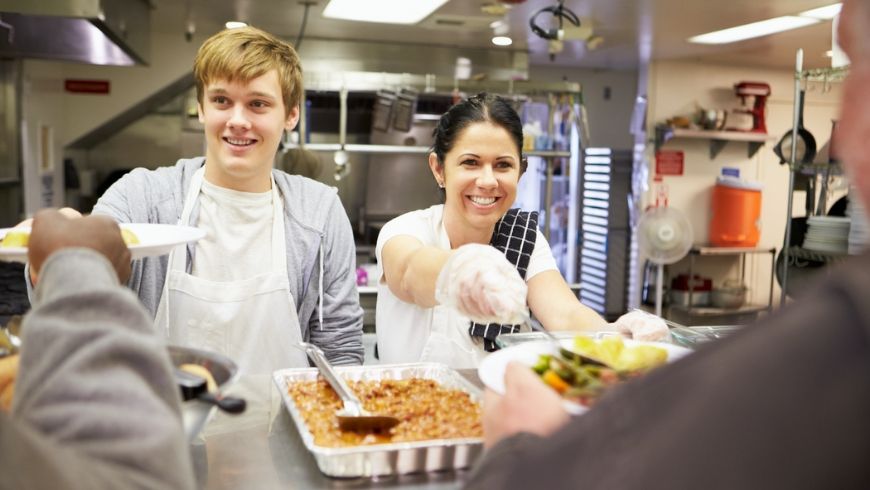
{"x":195,"y":413}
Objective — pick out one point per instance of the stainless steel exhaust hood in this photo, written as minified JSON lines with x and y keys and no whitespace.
{"x":100,"y":32}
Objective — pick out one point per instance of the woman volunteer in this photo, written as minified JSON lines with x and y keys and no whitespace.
{"x":474,"y":258}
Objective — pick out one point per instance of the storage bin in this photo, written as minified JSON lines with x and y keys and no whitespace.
{"x":736,"y":213}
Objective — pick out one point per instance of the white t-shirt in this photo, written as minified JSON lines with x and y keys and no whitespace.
{"x":403,"y":328}
{"x":238,"y":240}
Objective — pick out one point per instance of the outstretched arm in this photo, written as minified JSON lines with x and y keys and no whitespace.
{"x":95,"y":404}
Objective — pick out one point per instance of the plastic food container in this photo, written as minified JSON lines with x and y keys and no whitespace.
{"x":736,"y":213}
{"x":728,"y":297}
{"x":700,"y":287}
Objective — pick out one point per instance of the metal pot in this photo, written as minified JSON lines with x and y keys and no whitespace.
{"x":712,"y":119}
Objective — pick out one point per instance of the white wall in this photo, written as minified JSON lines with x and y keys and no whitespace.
{"x":73,"y":115}
{"x":41,"y":106}
{"x":677,"y":88}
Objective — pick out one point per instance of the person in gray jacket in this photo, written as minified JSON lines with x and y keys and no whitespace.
{"x":95,"y":404}
{"x":781,"y":404}
{"x":277,"y":265}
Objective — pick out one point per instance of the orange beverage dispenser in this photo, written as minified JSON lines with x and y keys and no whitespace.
{"x":736,"y":213}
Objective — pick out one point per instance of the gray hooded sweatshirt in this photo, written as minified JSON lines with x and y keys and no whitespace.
{"x":313,"y":218}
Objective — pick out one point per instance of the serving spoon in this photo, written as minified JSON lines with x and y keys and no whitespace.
{"x":566,"y":353}
{"x":352,"y":416}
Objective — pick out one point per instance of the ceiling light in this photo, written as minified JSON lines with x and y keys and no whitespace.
{"x":383,"y":11}
{"x":755,"y":29}
{"x":502,"y":41}
{"x":234,"y":24}
{"x":823,"y":13}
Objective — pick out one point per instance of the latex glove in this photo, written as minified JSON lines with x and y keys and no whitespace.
{"x":481,"y":284}
{"x":642,"y":326}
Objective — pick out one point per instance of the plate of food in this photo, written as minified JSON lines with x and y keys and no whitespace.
{"x":143,"y":240}
{"x":582,"y":368}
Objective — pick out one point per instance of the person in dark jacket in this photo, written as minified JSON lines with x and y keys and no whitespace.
{"x":783,"y":404}
{"x":95,"y":403}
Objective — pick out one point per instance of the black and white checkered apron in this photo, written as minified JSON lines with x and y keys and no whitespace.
{"x":514,"y":236}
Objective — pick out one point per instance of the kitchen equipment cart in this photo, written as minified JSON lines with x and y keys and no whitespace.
{"x":742,"y":314}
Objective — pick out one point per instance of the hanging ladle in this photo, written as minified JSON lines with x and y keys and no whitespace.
{"x":352,"y":416}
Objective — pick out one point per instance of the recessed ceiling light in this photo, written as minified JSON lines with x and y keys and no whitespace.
{"x":383,"y":11}
{"x":755,"y":29}
{"x":823,"y":13}
{"x":502,"y":41}
{"x":234,"y":24}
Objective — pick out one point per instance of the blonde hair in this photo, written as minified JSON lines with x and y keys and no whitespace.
{"x":244,"y":54}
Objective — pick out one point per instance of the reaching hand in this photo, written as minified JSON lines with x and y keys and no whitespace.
{"x":642,"y":326}
{"x":8,"y":373}
{"x":478,"y":281}
{"x":52,"y":230}
{"x":528,"y":405}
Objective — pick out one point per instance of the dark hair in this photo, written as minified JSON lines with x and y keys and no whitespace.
{"x":482,"y":107}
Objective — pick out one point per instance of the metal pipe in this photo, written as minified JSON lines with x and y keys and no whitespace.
{"x":410,"y":150}
{"x":799,"y":62}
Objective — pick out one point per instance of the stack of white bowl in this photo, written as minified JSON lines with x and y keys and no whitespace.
{"x":828,"y":234}
{"x":859,"y":232}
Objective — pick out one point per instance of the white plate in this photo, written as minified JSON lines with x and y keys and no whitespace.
{"x":491,"y":369}
{"x":154,"y":240}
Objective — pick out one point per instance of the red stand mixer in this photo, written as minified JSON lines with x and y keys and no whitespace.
{"x":759,"y":90}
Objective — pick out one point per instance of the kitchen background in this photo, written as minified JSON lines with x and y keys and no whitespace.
{"x":59,"y":146}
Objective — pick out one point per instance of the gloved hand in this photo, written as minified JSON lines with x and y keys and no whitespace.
{"x":642,"y":326}
{"x":481,"y":284}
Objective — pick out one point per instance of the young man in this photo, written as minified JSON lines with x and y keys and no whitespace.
{"x":95,"y":404}
{"x":279,"y":251}
{"x":783,"y":404}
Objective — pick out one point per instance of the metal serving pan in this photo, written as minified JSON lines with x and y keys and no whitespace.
{"x":386,"y":459}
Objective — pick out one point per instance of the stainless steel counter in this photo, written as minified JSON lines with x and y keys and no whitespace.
{"x":254,"y":459}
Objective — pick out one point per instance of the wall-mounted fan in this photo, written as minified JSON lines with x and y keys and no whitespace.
{"x":664,"y":236}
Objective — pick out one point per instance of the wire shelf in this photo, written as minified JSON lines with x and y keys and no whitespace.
{"x":807,"y":254}
{"x":823,"y":74}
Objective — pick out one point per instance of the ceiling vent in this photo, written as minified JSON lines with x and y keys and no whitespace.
{"x":471,"y":23}
{"x":100,"y":32}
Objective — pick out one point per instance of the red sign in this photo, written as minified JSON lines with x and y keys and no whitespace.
{"x":86,"y":86}
{"x":669,"y":162}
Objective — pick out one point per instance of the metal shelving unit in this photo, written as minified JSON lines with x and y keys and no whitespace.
{"x":742,"y":252}
{"x":824,"y":75}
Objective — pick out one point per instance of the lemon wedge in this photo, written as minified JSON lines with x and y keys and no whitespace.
{"x":15,"y":238}
{"x":129,"y":237}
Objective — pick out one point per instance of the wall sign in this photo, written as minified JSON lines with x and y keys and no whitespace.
{"x":86,"y":86}
{"x":669,"y":162}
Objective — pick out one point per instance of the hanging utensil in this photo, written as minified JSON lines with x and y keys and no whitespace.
{"x":805,"y":150}
{"x":340,"y":157}
{"x":352,"y":416}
